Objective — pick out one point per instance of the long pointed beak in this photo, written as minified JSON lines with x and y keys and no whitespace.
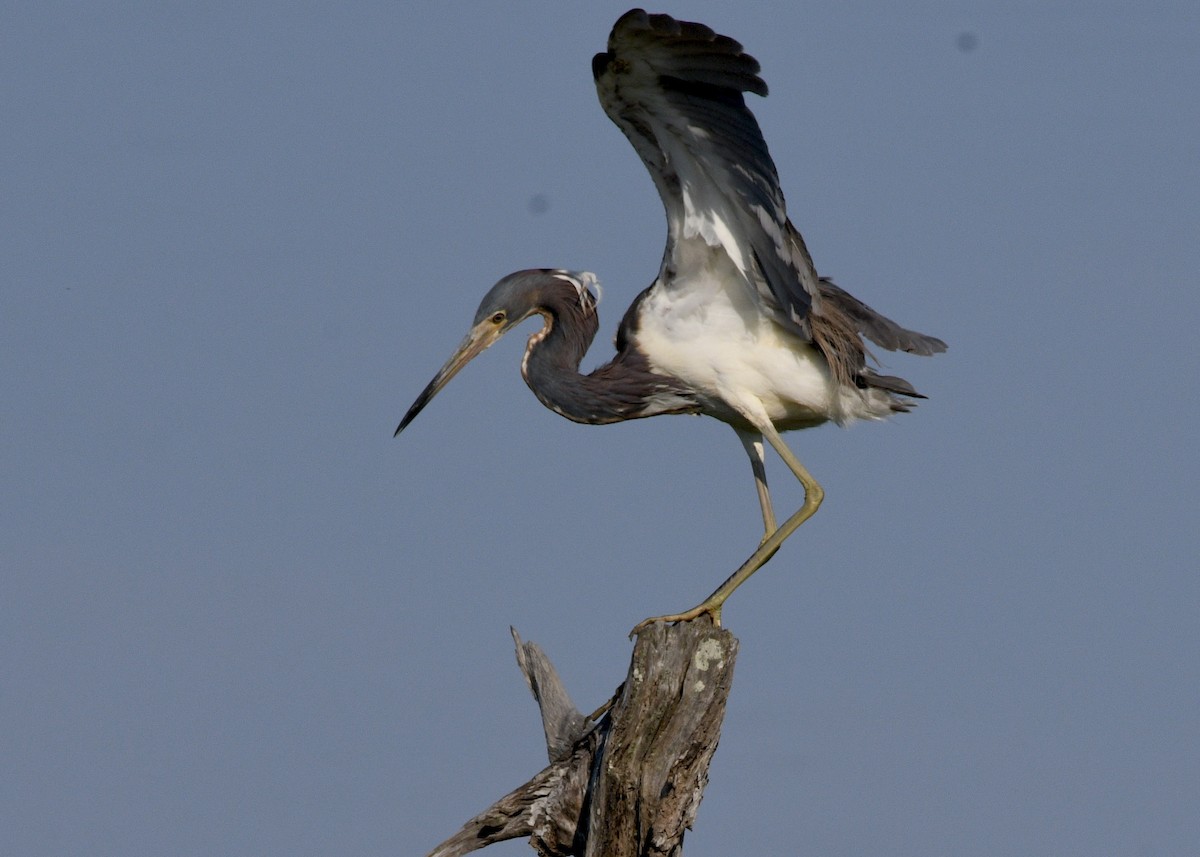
{"x":481,"y":336}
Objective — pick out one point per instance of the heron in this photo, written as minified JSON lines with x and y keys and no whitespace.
{"x":737,"y":325}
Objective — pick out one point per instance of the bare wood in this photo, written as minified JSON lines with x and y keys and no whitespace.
{"x":561,"y":720}
{"x":630,"y":785}
{"x":665,"y":727}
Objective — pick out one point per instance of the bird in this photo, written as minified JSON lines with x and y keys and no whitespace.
{"x":737,"y":324}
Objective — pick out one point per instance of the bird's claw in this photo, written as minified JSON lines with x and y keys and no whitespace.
{"x":711,"y":610}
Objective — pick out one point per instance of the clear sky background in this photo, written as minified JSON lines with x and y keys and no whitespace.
{"x":238,"y":618}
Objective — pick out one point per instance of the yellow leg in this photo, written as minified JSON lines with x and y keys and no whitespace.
{"x":813,"y":495}
{"x":753,"y":443}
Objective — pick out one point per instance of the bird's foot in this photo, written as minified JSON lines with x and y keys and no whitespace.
{"x":708,"y":607}
{"x":595,"y":716}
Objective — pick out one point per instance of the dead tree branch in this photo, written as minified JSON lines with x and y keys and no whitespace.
{"x":630,"y":785}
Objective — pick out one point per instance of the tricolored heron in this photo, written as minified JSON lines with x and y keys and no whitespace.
{"x":737,"y":325}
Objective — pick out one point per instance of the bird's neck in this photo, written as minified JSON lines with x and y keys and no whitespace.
{"x":551,"y":365}
{"x":622,"y":389}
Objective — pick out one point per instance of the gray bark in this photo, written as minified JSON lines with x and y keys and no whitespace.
{"x":628,"y":785}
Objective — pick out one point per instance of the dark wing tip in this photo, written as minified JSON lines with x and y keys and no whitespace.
{"x":931,"y":345}
{"x":600,"y":64}
{"x":697,"y":54}
{"x":907,"y":341}
{"x":877,"y":327}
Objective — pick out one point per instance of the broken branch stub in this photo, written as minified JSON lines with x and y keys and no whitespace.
{"x":630,"y":785}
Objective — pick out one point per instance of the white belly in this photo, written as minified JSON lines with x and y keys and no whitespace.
{"x":744,"y":365}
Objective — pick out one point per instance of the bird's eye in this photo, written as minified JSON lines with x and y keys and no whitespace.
{"x":498,"y":318}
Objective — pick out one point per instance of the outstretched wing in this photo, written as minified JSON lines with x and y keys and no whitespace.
{"x":675,"y":89}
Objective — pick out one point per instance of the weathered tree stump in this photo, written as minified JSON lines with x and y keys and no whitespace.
{"x":628,"y":785}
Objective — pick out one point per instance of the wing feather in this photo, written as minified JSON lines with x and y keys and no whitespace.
{"x":675,"y":89}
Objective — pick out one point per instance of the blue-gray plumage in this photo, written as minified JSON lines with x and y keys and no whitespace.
{"x":738,"y":325}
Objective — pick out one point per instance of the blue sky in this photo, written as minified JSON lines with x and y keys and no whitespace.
{"x":237,"y":617}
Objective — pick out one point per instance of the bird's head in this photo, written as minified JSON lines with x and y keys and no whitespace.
{"x":507,"y":304}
